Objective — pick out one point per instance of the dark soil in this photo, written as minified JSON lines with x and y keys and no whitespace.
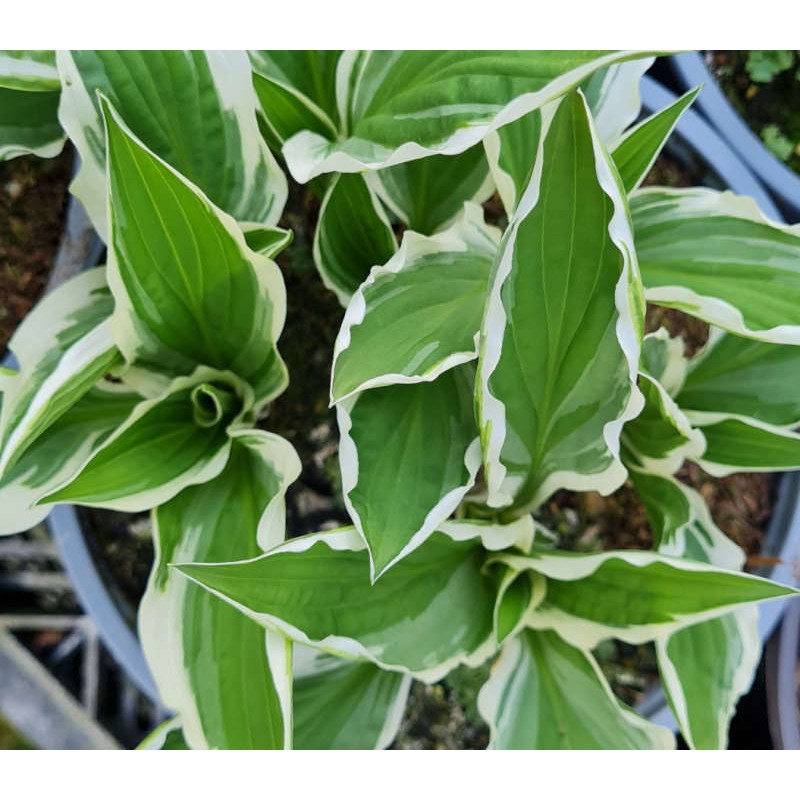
{"x":33,"y":194}
{"x":775,"y":104}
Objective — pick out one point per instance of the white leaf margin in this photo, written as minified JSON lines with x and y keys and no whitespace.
{"x":469,"y":231}
{"x":491,"y":410}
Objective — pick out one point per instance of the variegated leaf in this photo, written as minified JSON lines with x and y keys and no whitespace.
{"x":188,"y":289}
{"x":744,"y":378}
{"x":428,"y":614}
{"x":353,"y":234}
{"x":408,"y":456}
{"x":344,"y":704}
{"x":29,"y":124}
{"x":59,"y":453}
{"x":661,"y":437}
{"x":613,"y":97}
{"x":663,"y":359}
{"x":64,"y":346}
{"x":29,"y":70}
{"x":638,"y":149}
{"x":563,"y":324}
{"x":705,"y":668}
{"x":428,"y":193}
{"x":447,"y":101}
{"x":715,"y":256}
{"x":195,"y":109}
{"x":633,"y":595}
{"x":734,"y":445}
{"x":544,"y":694}
{"x":212,"y":664}
{"x":297,"y":90}
{"x":419,"y":315}
{"x":173,"y":441}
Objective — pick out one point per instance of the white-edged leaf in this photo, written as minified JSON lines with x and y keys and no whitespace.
{"x":633,"y":595}
{"x":419,"y":314}
{"x":743,"y":378}
{"x":29,"y":70}
{"x":429,"y":613}
{"x":613,"y":97}
{"x":408,"y":456}
{"x":188,"y":289}
{"x":64,"y":346}
{"x":715,"y":256}
{"x":167,"y":736}
{"x":29,"y":124}
{"x":166,"y":444}
{"x":195,"y":109}
{"x":544,"y":694}
{"x":428,"y":193}
{"x":59,"y":453}
{"x":343,"y":704}
{"x":397,"y":106}
{"x":353,"y":235}
{"x":562,"y":328}
{"x":661,"y":437}
{"x":663,"y":359}
{"x":638,"y":149}
{"x":211,"y":664}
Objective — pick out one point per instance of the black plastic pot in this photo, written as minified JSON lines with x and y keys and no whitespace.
{"x":690,"y":70}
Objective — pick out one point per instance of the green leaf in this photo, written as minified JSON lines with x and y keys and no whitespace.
{"x":733,"y":445}
{"x":716,"y":257}
{"x":408,"y":455}
{"x":420,"y":314}
{"x":265,"y":239}
{"x":188,"y":289}
{"x":562,"y":327}
{"x":402,"y":105}
{"x":518,"y":595}
{"x":734,"y":376}
{"x":353,"y":234}
{"x":64,"y":346}
{"x":345,"y":705}
{"x":637,"y":151}
{"x":429,"y":613}
{"x":427,"y":194}
{"x":29,"y":124}
{"x":613,"y":97}
{"x":634,"y":596}
{"x":661,"y":437}
{"x":210,"y":662}
{"x":705,"y":669}
{"x":663,"y":359}
{"x":29,"y":70}
{"x":297,"y":90}
{"x":681,"y":522}
{"x":167,"y":736}
{"x":173,"y":441}
{"x":547,"y":695}
{"x":59,"y":453}
{"x":195,"y":109}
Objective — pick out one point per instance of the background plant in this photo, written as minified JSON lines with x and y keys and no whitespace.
{"x":477,"y":371}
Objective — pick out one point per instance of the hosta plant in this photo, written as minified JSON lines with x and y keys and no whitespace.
{"x":480,"y":368}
